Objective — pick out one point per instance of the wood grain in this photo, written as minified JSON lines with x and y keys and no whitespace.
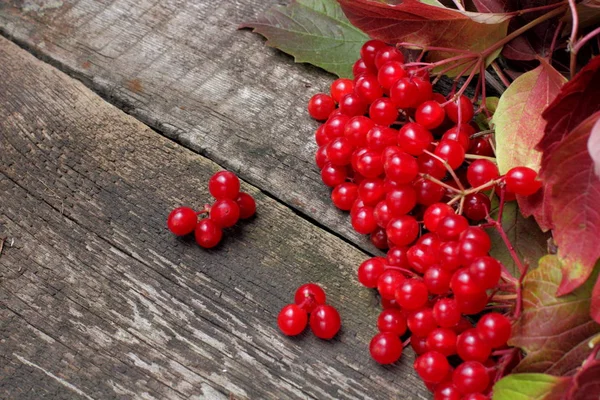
{"x":98,"y":300}
{"x":181,"y":67}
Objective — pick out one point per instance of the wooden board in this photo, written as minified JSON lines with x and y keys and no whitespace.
{"x":98,"y":300}
{"x":182,"y":68}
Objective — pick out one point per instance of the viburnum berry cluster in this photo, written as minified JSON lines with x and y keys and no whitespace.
{"x":414,"y":170}
{"x":230,"y":206}
{"x":325,"y":321}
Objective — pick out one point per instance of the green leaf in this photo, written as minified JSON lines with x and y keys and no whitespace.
{"x":530,"y":387}
{"x":524,"y":234}
{"x":313,"y":31}
{"x":518,"y":120}
{"x":553,"y":331}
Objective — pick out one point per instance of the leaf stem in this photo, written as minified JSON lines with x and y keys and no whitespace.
{"x":541,"y":8}
{"x":585,"y":39}
{"x":573,"y":39}
{"x":500,"y":74}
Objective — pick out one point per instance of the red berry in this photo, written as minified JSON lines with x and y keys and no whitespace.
{"x":403,"y":230}
{"x":420,"y":258}
{"x":344,"y":195}
{"x":292,"y":320}
{"x":479,"y":235}
{"x":393,"y":321}
{"x":470,"y":377}
{"x":469,"y":250}
{"x":449,"y":255}
{"x":333,"y":175}
{"x":411,"y":294}
{"x":419,"y":344}
{"x":389,"y":73}
{"x":367,"y":88}
{"x":451,"y":226}
{"x":432,"y":367}
{"x":425,"y":89}
{"x":387,"y":54}
{"x":428,"y":192}
{"x":380,"y":137}
{"x":404,"y":93}
{"x":360,"y":67}
{"x":352,"y":105}
{"x":437,"y":279}
{"x":321,"y":136}
{"x":335,"y":125}
{"x":431,"y":166}
{"x":321,"y":157}
{"x":320,"y":106}
{"x":356,"y":130}
{"x":182,"y":221}
{"x":485,"y":272}
{"x":477,"y":206}
{"x":388,"y":282}
{"x":435,"y":213}
{"x":466,"y":110}
{"x":522,"y":181}
{"x":471,"y":304}
{"x":495,"y":329}
{"x":430,"y":114}
{"x":446,"y":391}
{"x":370,"y":271}
{"x":363,"y":221}
{"x":460,"y":134}
{"x":442,"y":340}
{"x":481,"y":146}
{"x":385,"y":348}
{"x":481,"y":172}
{"x":225,"y":213}
{"x":325,"y":321}
{"x":462,"y":283}
{"x":382,"y":214}
{"x":471,"y":347}
{"x":224,"y":185}
{"x":339,"y":151}
{"x":421,"y":322}
{"x":383,"y":112}
{"x":369,"y":164}
{"x":309,"y":296}
{"x":414,"y":138}
{"x":476,"y":396}
{"x":401,"y":200}
{"x":379,"y":239}
{"x":341,"y":87}
{"x":369,"y":50}
{"x":401,"y":167}
{"x":396,"y":256}
{"x":452,"y":152}
{"x":207,"y":233}
{"x":446,"y":313}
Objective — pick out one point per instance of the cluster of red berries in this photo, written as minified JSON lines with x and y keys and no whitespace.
{"x":325,"y":321}
{"x":411,"y":167}
{"x":230,"y":206}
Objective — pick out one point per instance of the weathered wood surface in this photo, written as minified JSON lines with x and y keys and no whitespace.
{"x":181,"y":67}
{"x":98,"y":300}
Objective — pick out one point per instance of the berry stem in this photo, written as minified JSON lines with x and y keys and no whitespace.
{"x":478,"y":157}
{"x":573,"y":38}
{"x":448,"y":168}
{"x":500,"y":74}
{"x":440,"y":183}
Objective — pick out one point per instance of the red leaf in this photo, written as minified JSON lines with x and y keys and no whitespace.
{"x":553,"y":331}
{"x":494,"y":6}
{"x":575,"y":199}
{"x":426,"y":25}
{"x":595,"y":307}
{"x":538,"y":205}
{"x":586,"y":383}
{"x":577,"y":100}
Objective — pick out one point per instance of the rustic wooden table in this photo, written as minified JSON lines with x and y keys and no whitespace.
{"x":111,"y":114}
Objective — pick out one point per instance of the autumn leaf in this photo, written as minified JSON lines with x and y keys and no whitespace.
{"x":553,"y":331}
{"x":575,"y":199}
{"x":518,"y":121}
{"x":313,"y":31}
{"x":585,"y":385}
{"x":524,"y":234}
{"x":425,"y":25}
{"x":530,"y":386}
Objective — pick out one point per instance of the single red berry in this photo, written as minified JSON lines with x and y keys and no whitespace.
{"x":356,"y":130}
{"x":421,"y":258}
{"x":401,"y":200}
{"x":379,"y":239}
{"x":339,"y":151}
{"x":479,"y":235}
{"x":471,"y":347}
{"x":411,"y":294}
{"x":401,"y":167}
{"x":522,"y":181}
{"x":428,"y":192}
{"x":207,"y":233}
{"x":425,"y":89}
{"x":432,"y":366}
{"x":225,"y":213}
{"x":367,"y":88}
{"x":388,"y":282}
{"x":321,"y":137}
{"x":396,"y":257}
{"x":466,"y":110}
{"x":360,"y":67}
{"x":393,"y":321}
{"x":495,"y":329}
{"x":292,"y":320}
{"x":382,"y":214}
{"x":462,"y":283}
{"x":389,"y":73}
{"x":309,"y":296}
{"x":452,"y":152}
{"x":386,"y":304}
{"x":481,"y":146}
{"x":403,"y":230}
{"x":430,"y":114}
{"x":437,"y":279}
{"x":446,"y":313}
{"x":473,"y":303}
{"x":341,"y":87}
{"x":449,"y":255}
{"x":477,"y":206}
{"x":485,"y":272}
{"x":461,"y":134}
{"x":335,"y":126}
{"x":344,"y":195}
{"x":446,"y":391}
{"x":224,"y":185}
{"x":371,"y":191}
{"x":442,"y":340}
{"x":481,"y":172}
{"x":404,"y":93}
{"x":431,"y":166}
{"x":370,"y":271}
{"x":383,"y":112}
{"x":363,"y":221}
{"x":352,"y":104}
{"x":451,"y":226}
{"x":320,"y":106}
{"x":385,"y":348}
{"x":380,"y":137}
{"x":369,"y":164}
{"x":435,"y":213}
{"x":182,"y":221}
{"x":421,"y":322}
{"x":469,"y":250}
{"x":325,"y":321}
{"x":320,"y":157}
{"x":333,"y":175}
{"x":369,"y":50}
{"x":387,"y":54}
{"x":470,"y":377}
{"x":414,"y":138}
